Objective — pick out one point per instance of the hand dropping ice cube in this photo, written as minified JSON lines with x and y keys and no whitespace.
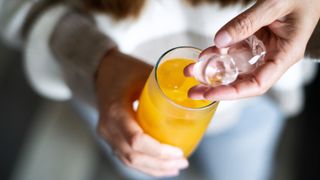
{"x":223,"y":67}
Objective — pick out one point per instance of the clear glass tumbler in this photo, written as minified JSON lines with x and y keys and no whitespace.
{"x":165,"y":112}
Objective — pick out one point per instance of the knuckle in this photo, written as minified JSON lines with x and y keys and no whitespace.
{"x":105,"y":132}
{"x":125,"y":161}
{"x":113,"y":110}
{"x":133,"y":159}
{"x":110,"y":136}
{"x":277,"y":5}
{"x":262,"y":89}
{"x":244,"y":24}
{"x":135,"y":141}
{"x":300,"y":56}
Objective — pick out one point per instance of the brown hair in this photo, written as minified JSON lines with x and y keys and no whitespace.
{"x":121,"y":9}
{"x":118,"y":9}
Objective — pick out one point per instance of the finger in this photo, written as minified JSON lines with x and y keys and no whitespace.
{"x":254,"y":85}
{"x":150,"y":165}
{"x":142,"y":161}
{"x":211,"y":50}
{"x":247,"y":23}
{"x":119,"y":144}
{"x":135,"y":164}
{"x":197,"y":92}
{"x":188,"y":70}
{"x":125,"y":128}
{"x":141,"y":142}
{"x":127,"y":124}
{"x":144,"y":143}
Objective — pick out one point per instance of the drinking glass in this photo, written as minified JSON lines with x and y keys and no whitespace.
{"x":164,"y":110}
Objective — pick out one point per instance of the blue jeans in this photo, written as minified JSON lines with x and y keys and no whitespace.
{"x":244,"y":152}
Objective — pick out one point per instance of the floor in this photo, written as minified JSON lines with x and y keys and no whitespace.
{"x":18,"y":104}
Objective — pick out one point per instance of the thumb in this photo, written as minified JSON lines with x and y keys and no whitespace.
{"x":247,"y":23}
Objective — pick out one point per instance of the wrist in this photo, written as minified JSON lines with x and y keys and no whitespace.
{"x":110,"y":54}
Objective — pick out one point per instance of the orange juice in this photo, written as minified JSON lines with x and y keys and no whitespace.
{"x":166,"y":113}
{"x":175,"y":85}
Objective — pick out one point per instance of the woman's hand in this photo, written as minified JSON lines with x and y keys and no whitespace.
{"x":285,"y":27}
{"x":120,"y":80}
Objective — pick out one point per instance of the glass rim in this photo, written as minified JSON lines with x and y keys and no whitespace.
{"x":156,"y":78}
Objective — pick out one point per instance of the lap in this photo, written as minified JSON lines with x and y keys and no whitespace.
{"x":245,"y":151}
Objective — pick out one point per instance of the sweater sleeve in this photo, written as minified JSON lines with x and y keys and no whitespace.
{"x":12,"y":16}
{"x":78,"y":47}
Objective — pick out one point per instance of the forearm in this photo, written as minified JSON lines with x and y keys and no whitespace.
{"x":79,"y":47}
{"x":120,"y":76}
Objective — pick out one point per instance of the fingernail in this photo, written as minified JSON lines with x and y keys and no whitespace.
{"x":222,"y":39}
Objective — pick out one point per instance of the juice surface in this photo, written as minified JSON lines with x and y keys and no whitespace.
{"x":162,"y":119}
{"x":175,"y":85}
